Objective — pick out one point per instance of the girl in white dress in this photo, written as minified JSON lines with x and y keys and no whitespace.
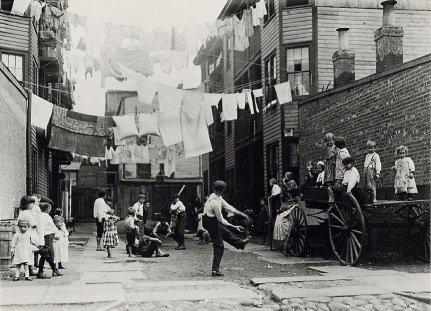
{"x":404,"y":168}
{"x":22,"y":247}
{"x":61,"y":245}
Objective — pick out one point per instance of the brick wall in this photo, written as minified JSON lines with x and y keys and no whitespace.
{"x":391,"y":108}
{"x":13,"y":105}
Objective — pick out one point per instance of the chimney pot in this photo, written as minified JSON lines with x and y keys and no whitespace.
{"x":388,"y":12}
{"x":343,"y":39}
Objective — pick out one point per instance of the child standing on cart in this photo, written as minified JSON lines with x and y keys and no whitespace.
{"x":404,"y":168}
{"x":372,"y":168}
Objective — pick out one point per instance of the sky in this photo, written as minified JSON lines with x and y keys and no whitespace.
{"x":89,"y":95}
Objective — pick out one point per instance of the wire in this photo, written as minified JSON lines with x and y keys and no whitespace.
{"x":47,"y":87}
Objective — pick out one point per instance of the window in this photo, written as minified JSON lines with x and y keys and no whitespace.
{"x":270,"y":9}
{"x":298,"y":70}
{"x":270,"y":78}
{"x":15,"y":64}
{"x":296,"y":2}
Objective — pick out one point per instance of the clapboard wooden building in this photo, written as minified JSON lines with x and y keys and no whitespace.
{"x":297,"y":42}
{"x":36,"y":63}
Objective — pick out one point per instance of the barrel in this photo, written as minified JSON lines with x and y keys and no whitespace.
{"x":7,"y":229}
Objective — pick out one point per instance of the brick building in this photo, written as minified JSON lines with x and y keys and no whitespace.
{"x":37,"y":66}
{"x":297,"y":42}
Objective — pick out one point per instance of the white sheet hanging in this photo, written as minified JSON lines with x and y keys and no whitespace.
{"x":41,"y":111}
{"x":240,"y":97}
{"x":195,"y":135}
{"x":250,"y":100}
{"x":147,"y":89}
{"x":170,"y":160}
{"x":170,"y":100}
{"x":284,"y":94}
{"x":230,"y":103}
{"x":20,"y":6}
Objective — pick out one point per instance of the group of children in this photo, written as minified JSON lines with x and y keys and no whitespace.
{"x":38,"y":234}
{"x":338,"y":169}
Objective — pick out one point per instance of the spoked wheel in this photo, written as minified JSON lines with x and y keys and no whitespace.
{"x":419,"y":221}
{"x":346,"y":229}
{"x":296,"y":241}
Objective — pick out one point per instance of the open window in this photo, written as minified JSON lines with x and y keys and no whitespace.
{"x":298,"y":70}
{"x":270,"y":78}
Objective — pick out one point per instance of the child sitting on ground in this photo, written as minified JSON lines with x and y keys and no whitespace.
{"x":404,"y":168}
{"x":61,"y":245}
{"x":351,"y":175}
{"x":149,"y":245}
{"x":162,"y":228}
{"x":110,"y":235}
{"x":372,"y":168}
{"x":22,"y":247}
{"x":132,"y":231}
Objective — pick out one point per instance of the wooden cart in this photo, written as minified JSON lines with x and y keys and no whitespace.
{"x":348,"y":232}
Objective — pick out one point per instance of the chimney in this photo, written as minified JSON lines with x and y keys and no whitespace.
{"x":389,"y":39}
{"x":343,"y":60}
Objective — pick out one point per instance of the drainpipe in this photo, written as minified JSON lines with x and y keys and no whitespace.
{"x":28,"y":143}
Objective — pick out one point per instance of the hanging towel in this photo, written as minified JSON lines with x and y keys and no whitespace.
{"x":230,"y":103}
{"x":192,"y":103}
{"x":36,"y":10}
{"x":241,"y":40}
{"x":248,"y":20}
{"x":212,"y":99}
{"x":126,"y":126}
{"x":195,"y":135}
{"x":148,"y":124}
{"x":109,"y":153}
{"x":20,"y":6}
{"x":221,"y":27}
{"x":257,"y":93}
{"x":170,"y":160}
{"x":240,"y":97}
{"x":250,"y":101}
{"x":117,"y":140}
{"x":170,"y":100}
{"x":284,"y":94}
{"x":41,"y":111}
{"x":147,"y":89}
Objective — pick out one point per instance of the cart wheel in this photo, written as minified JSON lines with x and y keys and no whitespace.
{"x":295,"y":243}
{"x":419,"y":219}
{"x":346,"y":229}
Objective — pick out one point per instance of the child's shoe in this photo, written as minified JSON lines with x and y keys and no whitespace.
{"x":28,"y":279}
{"x":15,"y":279}
{"x":60,"y":266}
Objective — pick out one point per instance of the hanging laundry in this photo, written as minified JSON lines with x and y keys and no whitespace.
{"x":41,"y":111}
{"x":221,"y":27}
{"x":126,"y":32}
{"x":230,"y":103}
{"x":109,"y":152}
{"x":126,"y":126}
{"x":211,"y":30}
{"x":257,"y":93}
{"x":19,"y":7}
{"x":170,"y":100}
{"x":79,"y":133}
{"x":147,"y":41}
{"x":284,"y":93}
{"x":193,"y":42}
{"x":192,"y":103}
{"x":95,"y":160}
{"x":212,"y":99}
{"x":170,"y":160}
{"x":248,"y":21}
{"x":240,"y":97}
{"x":250,"y":102}
{"x":148,"y":124}
{"x":117,"y":140}
{"x":133,"y":57}
{"x":218,"y":60}
{"x":113,"y":35}
{"x":147,"y":89}
{"x":241,"y":41}
{"x":209,"y":114}
{"x":178,"y":40}
{"x":135,"y":32}
{"x":115,"y":157}
{"x":196,"y":139}
{"x":164,"y":58}
{"x":81,"y":44}
{"x":142,"y":155}
{"x":163,"y":39}
{"x":230,"y":24}
{"x":77,"y":59}
{"x":36,"y":9}
{"x":179,"y":59}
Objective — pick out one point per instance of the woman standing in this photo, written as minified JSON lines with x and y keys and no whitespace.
{"x":219,"y":228}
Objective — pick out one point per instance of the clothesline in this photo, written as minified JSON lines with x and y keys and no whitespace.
{"x":47,"y":87}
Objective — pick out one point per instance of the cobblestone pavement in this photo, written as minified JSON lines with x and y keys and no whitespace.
{"x":182,"y":282}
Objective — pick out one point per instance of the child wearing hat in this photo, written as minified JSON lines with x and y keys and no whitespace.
{"x":351,"y":175}
{"x":22,"y":247}
{"x":320,"y":168}
{"x":110,"y":235}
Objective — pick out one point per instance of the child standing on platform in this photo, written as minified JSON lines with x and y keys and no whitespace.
{"x":110,"y":235}
{"x":22,"y":247}
{"x":404,"y":168}
{"x":132,"y":230}
{"x":331,"y":154}
{"x":342,"y":153}
{"x":372,"y":168}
